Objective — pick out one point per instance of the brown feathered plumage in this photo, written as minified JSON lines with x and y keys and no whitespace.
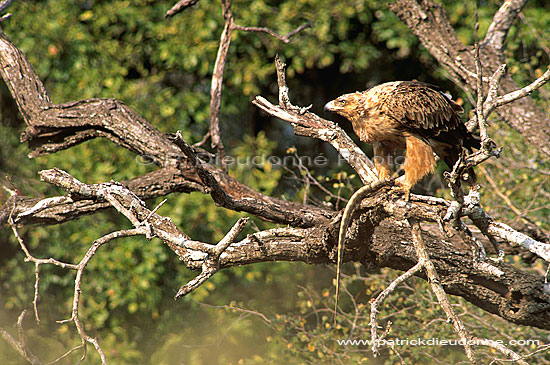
{"x":407,"y":115}
{"x":402,"y":115}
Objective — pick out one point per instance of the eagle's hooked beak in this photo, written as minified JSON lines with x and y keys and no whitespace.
{"x":329,"y":106}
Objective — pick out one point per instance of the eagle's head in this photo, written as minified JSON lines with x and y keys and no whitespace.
{"x":350,"y":106}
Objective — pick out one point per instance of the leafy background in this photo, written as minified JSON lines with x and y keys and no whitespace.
{"x":162,"y":69}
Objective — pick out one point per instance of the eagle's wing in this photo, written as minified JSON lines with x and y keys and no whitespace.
{"x":422,"y":110}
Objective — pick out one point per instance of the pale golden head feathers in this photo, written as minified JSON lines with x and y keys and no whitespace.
{"x":350,"y":106}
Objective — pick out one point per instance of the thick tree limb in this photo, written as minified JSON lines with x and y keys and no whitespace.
{"x":55,"y":127}
{"x":515,"y":295}
{"x":502,"y":21}
{"x":55,"y":210}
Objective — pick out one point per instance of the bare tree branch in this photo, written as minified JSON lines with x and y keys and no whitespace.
{"x":479,"y":87}
{"x":180,"y":6}
{"x":20,"y":345}
{"x":211,"y":265}
{"x":501,"y":24}
{"x":502,"y":349}
{"x":433,"y":279}
{"x":78,"y":280}
{"x":374,"y":304}
{"x":217,"y":76}
{"x":375,"y":237}
{"x":217,"y":81}
{"x":285,"y":38}
{"x":523,"y":92}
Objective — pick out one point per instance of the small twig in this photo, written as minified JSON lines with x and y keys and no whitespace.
{"x":211,"y":264}
{"x":502,"y":195}
{"x":155,"y":210}
{"x":78,"y":281}
{"x":236,"y":309}
{"x":493,"y":101}
{"x":489,"y":104}
{"x":540,"y":349}
{"x":203,"y":140}
{"x":180,"y":6}
{"x":20,"y":345}
{"x":479,"y":84}
{"x":35,"y":298}
{"x":66,"y":354}
{"x":492,"y":94}
{"x":511,"y":355}
{"x":311,"y":180}
{"x":4,"y":4}
{"x":518,"y":94}
{"x":541,"y":42}
{"x":230,"y":237}
{"x":433,"y":279}
{"x":37,"y":262}
{"x":374,"y":304}
{"x":285,"y":38}
{"x":284,"y":100}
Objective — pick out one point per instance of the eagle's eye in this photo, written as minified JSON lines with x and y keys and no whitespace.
{"x":341,"y":101}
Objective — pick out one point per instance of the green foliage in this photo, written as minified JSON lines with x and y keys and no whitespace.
{"x":308,"y":334}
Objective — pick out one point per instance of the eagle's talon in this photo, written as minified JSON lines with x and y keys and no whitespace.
{"x":401,"y":187}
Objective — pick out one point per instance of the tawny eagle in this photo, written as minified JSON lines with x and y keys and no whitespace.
{"x":407,"y":115}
